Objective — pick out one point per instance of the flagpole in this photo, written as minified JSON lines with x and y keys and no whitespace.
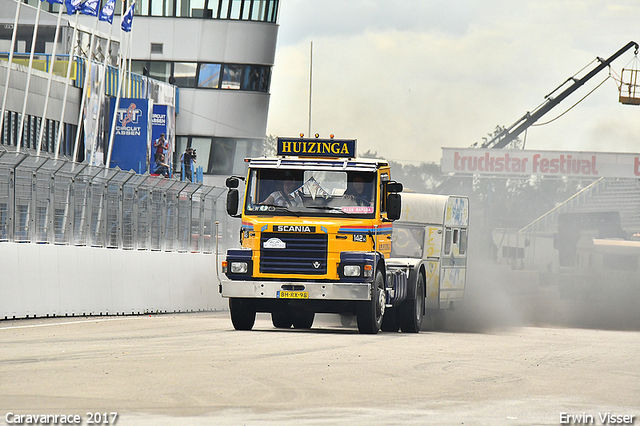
{"x":53,"y":62}
{"x":84,"y":91}
{"x":6,"y":83}
{"x":102,"y":89}
{"x":121,"y":74}
{"x":68,"y":83}
{"x":26,"y":91}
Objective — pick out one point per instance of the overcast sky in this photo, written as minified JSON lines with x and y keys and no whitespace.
{"x":408,"y":77}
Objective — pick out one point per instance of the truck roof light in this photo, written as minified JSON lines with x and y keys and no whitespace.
{"x":317,"y":135}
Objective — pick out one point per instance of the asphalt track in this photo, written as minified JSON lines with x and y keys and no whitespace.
{"x":194,"y":369}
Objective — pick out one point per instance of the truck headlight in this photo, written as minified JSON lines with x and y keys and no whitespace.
{"x":351,"y":270}
{"x":239,"y":267}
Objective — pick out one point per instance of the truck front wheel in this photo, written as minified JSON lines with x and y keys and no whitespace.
{"x":412,"y":311}
{"x":281,"y":319}
{"x":243,"y":315}
{"x":371,"y":312}
{"x":303,"y":319}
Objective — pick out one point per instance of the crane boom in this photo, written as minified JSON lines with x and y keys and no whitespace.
{"x":503,"y":138}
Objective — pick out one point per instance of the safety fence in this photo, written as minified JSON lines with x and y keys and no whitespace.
{"x":44,"y":200}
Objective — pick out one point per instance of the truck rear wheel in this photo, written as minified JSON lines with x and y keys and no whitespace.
{"x":371,"y":312}
{"x":243,"y":315}
{"x":281,"y":319}
{"x":412,"y":311}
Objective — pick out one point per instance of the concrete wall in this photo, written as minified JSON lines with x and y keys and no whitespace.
{"x":53,"y":280}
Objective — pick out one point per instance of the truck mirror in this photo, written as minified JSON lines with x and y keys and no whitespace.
{"x":232,"y":202}
{"x":394,"y":206}
{"x":232,"y":182}
{"x":394,"y":187}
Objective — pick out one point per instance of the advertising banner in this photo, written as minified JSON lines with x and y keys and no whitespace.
{"x":132,"y":139}
{"x":163,"y":123}
{"x":547,"y":163}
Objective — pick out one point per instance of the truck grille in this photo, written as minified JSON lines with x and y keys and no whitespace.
{"x":302,"y":254}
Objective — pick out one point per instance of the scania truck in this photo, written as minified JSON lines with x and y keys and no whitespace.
{"x":318,"y":236}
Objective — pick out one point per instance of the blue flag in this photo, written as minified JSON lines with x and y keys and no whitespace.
{"x":54,"y":1}
{"x":72,"y":6}
{"x":127,"y":19}
{"x":106,"y":14}
{"x":90,"y":7}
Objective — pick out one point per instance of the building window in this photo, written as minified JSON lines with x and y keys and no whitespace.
{"x":209,"y":76}
{"x":160,"y":70}
{"x":157,"y":47}
{"x":232,"y":77}
{"x":185,"y":74}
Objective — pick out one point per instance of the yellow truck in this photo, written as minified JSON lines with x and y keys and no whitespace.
{"x":318,"y":236}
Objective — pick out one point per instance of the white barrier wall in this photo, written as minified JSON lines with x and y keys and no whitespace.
{"x":59,"y":280}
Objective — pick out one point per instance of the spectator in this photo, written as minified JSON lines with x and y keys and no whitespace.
{"x":161,"y":145}
{"x":187,"y":159}
{"x":162,"y":168}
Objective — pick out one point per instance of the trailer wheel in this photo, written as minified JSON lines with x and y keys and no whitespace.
{"x":281,"y":319}
{"x":303,"y":319}
{"x":412,"y":311}
{"x":371,"y":312}
{"x":243,"y":315}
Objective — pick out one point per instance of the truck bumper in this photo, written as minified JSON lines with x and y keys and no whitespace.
{"x":316,"y":291}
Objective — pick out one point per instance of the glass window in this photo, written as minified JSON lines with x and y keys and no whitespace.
{"x":224,"y":9}
{"x":232,"y":77}
{"x":195,"y":7}
{"x":251,"y":79}
{"x":160,"y":70}
{"x":236,"y":5}
{"x":185,"y":74}
{"x":447,"y":241}
{"x":408,"y":241}
{"x":142,"y":8}
{"x":209,"y":76}
{"x":272,"y":9}
{"x":181,"y":146}
{"x":245,"y":10}
{"x":221,"y":162}
{"x":213,"y":7}
{"x":202,"y":147}
{"x":162,"y":7}
{"x":463,"y":242}
{"x":138,"y":66}
{"x":257,"y":11}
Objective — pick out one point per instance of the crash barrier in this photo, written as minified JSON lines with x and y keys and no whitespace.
{"x":71,"y":233}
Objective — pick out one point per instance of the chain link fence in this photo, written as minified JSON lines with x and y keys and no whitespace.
{"x":56,"y":201}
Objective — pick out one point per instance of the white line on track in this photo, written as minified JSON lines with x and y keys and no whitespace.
{"x":62,"y":323}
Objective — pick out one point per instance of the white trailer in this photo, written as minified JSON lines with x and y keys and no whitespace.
{"x":431,"y":240}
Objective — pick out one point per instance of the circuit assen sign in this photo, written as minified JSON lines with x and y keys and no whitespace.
{"x":548,"y":163}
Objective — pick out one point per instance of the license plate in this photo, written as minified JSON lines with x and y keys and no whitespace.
{"x":293,"y":295}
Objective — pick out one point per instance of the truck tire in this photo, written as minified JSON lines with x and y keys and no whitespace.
{"x":412,"y":310}
{"x":302,"y":319}
{"x":243,"y":315}
{"x":281,"y":319}
{"x":371,"y":312}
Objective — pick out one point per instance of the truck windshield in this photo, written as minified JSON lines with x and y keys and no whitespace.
{"x":311,"y":192}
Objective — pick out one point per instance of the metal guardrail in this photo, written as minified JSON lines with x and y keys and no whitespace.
{"x":56,"y":201}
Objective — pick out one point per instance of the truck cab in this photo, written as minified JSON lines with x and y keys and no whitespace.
{"x":316,"y":237}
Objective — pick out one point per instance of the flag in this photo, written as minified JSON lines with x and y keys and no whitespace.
{"x":106,"y":14}
{"x":90,"y":7}
{"x":127,"y":19}
{"x":54,"y":1}
{"x":72,"y":6}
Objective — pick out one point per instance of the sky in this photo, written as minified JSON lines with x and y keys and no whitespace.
{"x":408,"y":77}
